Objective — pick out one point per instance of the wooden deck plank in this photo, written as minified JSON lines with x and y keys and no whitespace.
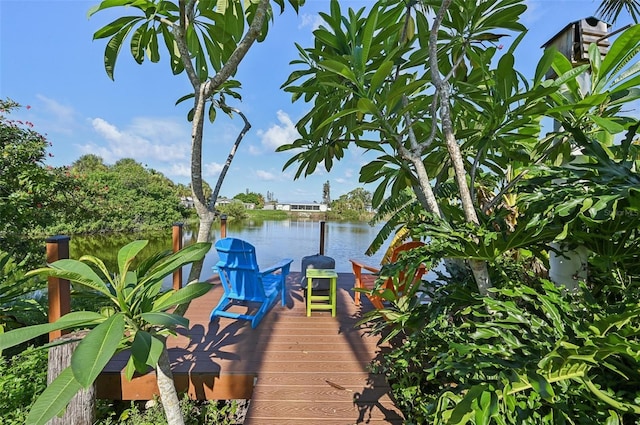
{"x":305,"y":369}
{"x":309,"y":411}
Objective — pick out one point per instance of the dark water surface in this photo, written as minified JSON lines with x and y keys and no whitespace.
{"x":273,"y":239}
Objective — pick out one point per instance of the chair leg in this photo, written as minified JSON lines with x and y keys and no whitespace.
{"x":308,"y":300}
{"x":333,"y":290}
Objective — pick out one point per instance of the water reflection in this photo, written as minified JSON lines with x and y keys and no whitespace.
{"x":273,"y":239}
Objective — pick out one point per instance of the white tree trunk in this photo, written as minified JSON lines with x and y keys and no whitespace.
{"x":167,"y":389}
{"x":479,"y":268}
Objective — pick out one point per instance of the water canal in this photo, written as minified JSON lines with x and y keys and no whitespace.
{"x":273,"y":239}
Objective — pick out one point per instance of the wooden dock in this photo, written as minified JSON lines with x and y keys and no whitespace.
{"x":295,"y":369}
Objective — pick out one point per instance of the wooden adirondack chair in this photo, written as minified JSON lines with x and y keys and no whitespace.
{"x":244,"y":283}
{"x":367,"y":280}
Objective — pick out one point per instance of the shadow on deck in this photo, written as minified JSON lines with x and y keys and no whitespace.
{"x":294,"y":368}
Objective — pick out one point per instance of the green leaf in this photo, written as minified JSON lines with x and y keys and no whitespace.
{"x":187,"y":255}
{"x":184,"y":295}
{"x":607,"y":124}
{"x":619,"y":50}
{"x":128,"y":253}
{"x":18,"y":336}
{"x":112,"y":49}
{"x":366,"y":106}
{"x":152,"y":49}
{"x":54,"y":398}
{"x":114,"y":27}
{"x":339,"y":68}
{"x":367,"y":36}
{"x":544,"y":64}
{"x":380,"y":75}
{"x":138,"y":44}
{"x":166,"y":320}
{"x":96,"y":349}
{"x":75,"y":271}
{"x":146,"y":349}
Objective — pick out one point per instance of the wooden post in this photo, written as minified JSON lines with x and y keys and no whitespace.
{"x":81,"y":410}
{"x":322,"y":227}
{"x":223,"y":226}
{"x":177,"y":246}
{"x":59,"y":289}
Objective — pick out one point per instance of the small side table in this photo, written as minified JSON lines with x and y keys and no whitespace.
{"x":322,"y":302}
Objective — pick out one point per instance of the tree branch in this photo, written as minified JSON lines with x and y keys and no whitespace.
{"x":232,"y":153}
{"x":241,"y":50}
{"x":179,"y":34}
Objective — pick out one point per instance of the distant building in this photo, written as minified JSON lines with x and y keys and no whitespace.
{"x":187,"y":201}
{"x":303,"y":207}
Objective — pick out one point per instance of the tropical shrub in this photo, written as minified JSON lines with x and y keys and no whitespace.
{"x":19,"y":305}
{"x":22,"y":378}
{"x":195,"y":412}
{"x":529,"y":354}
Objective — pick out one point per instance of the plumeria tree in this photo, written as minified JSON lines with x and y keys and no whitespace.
{"x":432,"y":88}
{"x":136,"y":319}
{"x":206,"y":40}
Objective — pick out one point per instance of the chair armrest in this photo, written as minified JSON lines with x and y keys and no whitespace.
{"x":282,"y":264}
{"x":358,"y":266}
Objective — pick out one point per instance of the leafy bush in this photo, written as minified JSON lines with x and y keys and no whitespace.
{"x":234,"y":209}
{"x":530,"y":354}
{"x":18,"y":305}
{"x":194,"y":412}
{"x":22,"y":379}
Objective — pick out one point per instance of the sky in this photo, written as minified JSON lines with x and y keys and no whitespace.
{"x":49,"y":62}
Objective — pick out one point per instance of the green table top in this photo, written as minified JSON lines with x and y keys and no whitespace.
{"x":321,"y":273}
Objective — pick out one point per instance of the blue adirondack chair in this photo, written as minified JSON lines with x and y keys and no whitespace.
{"x":244,"y":283}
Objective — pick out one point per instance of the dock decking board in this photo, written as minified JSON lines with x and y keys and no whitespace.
{"x":305,"y":369}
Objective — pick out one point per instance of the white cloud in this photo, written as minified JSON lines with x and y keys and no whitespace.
{"x":212,"y":169}
{"x":533,"y":12}
{"x":266,"y":175}
{"x":312,"y":21}
{"x":178,"y":169}
{"x":146,"y":139}
{"x":254,"y":150}
{"x":278,"y":135}
{"x":61,"y":118}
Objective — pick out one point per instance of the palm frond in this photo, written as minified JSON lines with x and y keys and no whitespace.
{"x":610,"y":10}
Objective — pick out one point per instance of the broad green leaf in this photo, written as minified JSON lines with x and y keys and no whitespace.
{"x":620,"y":49}
{"x":181,"y":296}
{"x":152,"y":50}
{"x":113,"y":47}
{"x":339,"y":68}
{"x":74,"y":271}
{"x":114,"y":27}
{"x":187,"y":255}
{"x":105,"y":4}
{"x":380,"y":75}
{"x":367,"y":36}
{"x":138,"y":44}
{"x":366,"y":106}
{"x":128,"y":253}
{"x":54,"y":398}
{"x":607,"y":124}
{"x":544,"y":64}
{"x":71,"y":320}
{"x":616,"y":404}
{"x":96,"y":349}
{"x":166,"y":320}
{"x":146,"y":349}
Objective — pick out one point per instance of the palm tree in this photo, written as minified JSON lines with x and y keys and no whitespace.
{"x":610,"y":10}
